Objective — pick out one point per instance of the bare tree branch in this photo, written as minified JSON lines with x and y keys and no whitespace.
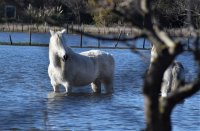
{"x":157,"y":112}
{"x":183,"y":92}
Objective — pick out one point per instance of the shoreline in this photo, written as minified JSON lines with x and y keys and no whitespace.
{"x":125,"y":30}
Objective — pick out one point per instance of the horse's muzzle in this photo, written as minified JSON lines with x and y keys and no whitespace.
{"x":65,"y":57}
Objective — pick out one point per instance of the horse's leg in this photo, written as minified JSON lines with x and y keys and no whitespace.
{"x":108,"y":85}
{"x":68,"y":88}
{"x":55,"y":86}
{"x":96,"y":86}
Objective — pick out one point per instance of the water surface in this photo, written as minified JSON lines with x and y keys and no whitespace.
{"x":25,"y":86}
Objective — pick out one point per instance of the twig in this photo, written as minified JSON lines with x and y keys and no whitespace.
{"x":118,"y":39}
{"x":183,"y":92}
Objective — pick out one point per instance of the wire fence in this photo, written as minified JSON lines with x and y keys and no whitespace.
{"x":81,"y":41}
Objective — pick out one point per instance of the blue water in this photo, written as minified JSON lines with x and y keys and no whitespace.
{"x":25,"y":87}
{"x":70,"y":39}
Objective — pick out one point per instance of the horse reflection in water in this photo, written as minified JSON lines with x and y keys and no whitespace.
{"x":173,"y":76}
{"x":71,"y":69}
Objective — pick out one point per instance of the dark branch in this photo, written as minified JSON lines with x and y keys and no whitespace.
{"x":183,"y":92}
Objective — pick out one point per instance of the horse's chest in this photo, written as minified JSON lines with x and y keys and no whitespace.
{"x":55,"y":74}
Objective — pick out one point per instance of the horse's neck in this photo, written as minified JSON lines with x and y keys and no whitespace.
{"x":56,"y":61}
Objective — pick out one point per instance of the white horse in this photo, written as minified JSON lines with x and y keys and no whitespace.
{"x":71,"y":69}
{"x":173,"y":75}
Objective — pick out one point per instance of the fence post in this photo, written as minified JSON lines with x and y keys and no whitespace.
{"x":29,"y":37}
{"x":67,"y":28}
{"x":81,"y":43}
{"x":188,"y":44}
{"x":143,"y":46}
{"x":10,"y":39}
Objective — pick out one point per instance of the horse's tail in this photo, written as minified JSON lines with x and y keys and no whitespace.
{"x":112,"y":60}
{"x":107,"y":63}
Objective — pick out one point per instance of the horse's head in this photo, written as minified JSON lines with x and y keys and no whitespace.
{"x":57,"y":46}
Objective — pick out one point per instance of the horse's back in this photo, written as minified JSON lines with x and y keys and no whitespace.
{"x":100,"y":55}
{"x":95,"y":53}
{"x":105,"y":61}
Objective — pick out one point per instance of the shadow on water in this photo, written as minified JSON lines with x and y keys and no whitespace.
{"x":64,"y":95}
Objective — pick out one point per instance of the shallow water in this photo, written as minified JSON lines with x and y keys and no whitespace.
{"x":26,"y":102}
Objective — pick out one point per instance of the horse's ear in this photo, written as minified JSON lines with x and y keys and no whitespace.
{"x":52,"y":32}
{"x":63,"y":31}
